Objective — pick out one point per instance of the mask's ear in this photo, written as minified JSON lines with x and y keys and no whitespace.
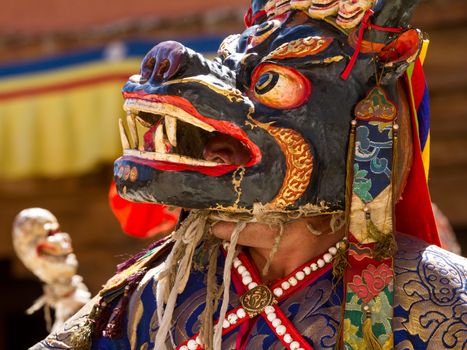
{"x":395,"y":57}
{"x":399,"y":52}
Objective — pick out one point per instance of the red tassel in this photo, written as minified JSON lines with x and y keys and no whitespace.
{"x":365,"y":22}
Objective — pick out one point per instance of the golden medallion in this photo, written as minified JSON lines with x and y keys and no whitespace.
{"x":256,"y":299}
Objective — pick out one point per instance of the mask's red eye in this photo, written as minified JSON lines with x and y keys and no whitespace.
{"x":279,"y":87}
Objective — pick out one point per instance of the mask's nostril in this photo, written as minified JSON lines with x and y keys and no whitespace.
{"x":162,"y":62}
{"x":162,"y":68}
{"x":147,"y":68}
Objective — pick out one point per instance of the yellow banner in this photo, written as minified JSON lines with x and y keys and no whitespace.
{"x":62,"y":122}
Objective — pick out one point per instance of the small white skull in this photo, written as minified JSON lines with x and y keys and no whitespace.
{"x":41,"y":246}
{"x":323,"y":8}
{"x":351,"y":12}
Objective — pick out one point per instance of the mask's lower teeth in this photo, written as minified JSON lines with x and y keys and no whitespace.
{"x":159,"y":143}
{"x":171,"y":130}
{"x":172,"y":158}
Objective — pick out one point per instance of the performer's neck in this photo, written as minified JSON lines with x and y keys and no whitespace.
{"x":297,"y":246}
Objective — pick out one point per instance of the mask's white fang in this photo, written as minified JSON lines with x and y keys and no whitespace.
{"x":123,"y":135}
{"x":132,"y":128}
{"x":171,"y":129}
{"x":159,"y":139}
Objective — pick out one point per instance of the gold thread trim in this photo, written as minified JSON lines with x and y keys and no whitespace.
{"x":299,"y":164}
{"x":300,"y":48}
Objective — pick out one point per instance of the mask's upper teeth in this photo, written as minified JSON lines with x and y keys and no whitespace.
{"x":159,"y":143}
{"x":123,"y":135}
{"x":143,"y":122}
{"x":171,"y":129}
{"x":132,"y":128}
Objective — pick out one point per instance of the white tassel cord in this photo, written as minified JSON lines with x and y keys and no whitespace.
{"x":180,"y":259}
{"x":227,"y":276}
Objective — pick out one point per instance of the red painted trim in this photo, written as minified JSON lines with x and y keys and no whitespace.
{"x":168,"y":166}
{"x":60,"y":87}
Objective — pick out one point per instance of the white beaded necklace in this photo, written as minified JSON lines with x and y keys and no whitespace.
{"x":262,"y":300}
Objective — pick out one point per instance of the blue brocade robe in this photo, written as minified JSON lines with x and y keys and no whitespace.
{"x":430,"y":308}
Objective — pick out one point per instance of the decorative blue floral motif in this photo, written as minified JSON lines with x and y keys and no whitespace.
{"x":362,"y":185}
{"x":373,"y":158}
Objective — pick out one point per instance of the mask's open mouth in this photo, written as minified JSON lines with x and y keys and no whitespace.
{"x":56,"y":246}
{"x":324,"y":5}
{"x":168,"y":133}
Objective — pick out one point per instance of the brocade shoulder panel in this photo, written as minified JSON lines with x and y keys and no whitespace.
{"x":430,"y":310}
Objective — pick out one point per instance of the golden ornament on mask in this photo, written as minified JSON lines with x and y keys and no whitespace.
{"x":302,"y":47}
{"x":299,"y":164}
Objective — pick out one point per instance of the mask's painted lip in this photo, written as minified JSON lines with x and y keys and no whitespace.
{"x":55,"y":250}
{"x":170,"y":166}
{"x":221,"y":126}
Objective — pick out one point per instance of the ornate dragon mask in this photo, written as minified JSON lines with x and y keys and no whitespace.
{"x":267,"y":122}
